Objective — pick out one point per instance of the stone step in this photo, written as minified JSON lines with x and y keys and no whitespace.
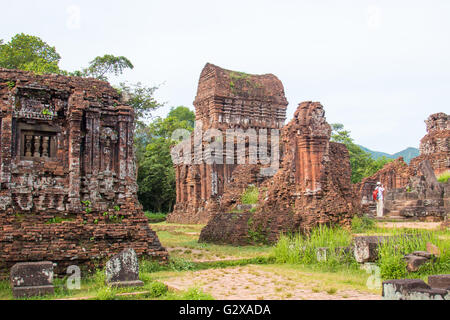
{"x":393,"y":218}
{"x":402,"y":204}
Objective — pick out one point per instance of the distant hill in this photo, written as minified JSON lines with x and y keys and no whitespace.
{"x":407,"y":154}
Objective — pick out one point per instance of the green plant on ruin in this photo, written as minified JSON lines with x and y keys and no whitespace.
{"x":117,"y":208}
{"x":87,"y":206}
{"x":19,"y":217}
{"x":46,"y":112}
{"x":256,"y":234}
{"x":57,"y":220}
{"x":444,"y":177}
{"x":11,"y":84}
{"x":251,"y":195}
{"x":115,"y":219}
{"x":239,"y":77}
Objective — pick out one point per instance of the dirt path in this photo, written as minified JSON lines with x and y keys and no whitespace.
{"x":252,"y":283}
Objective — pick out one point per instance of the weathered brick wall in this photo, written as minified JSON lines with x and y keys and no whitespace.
{"x":311,"y":187}
{"x":435,"y":145}
{"x":225,"y":100}
{"x":65,"y":140}
{"x":394,"y":175}
{"x":406,"y":193}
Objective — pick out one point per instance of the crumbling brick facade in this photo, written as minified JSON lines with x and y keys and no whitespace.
{"x":412,"y":191}
{"x":311,"y":187}
{"x":435,"y":146}
{"x":68,"y":176}
{"x":225,"y":100}
{"x":394,"y":175}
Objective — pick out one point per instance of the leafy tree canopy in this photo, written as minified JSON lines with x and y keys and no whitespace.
{"x":100,"y":67}
{"x":362,"y":164}
{"x":156,"y":175}
{"x":29,"y":53}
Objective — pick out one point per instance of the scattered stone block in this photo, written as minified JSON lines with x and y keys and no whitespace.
{"x":428,"y":294}
{"x":424,"y":254}
{"x":399,"y":289}
{"x":441,"y":281}
{"x":414,"y":262}
{"x":322,"y":254}
{"x":31,"y":279}
{"x":122,"y":270}
{"x":434,"y":250}
{"x":366,"y":248}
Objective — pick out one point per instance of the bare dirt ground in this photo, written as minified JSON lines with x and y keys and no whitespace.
{"x":254,"y":283}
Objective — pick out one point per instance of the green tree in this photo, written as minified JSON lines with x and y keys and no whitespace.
{"x":29,"y":53}
{"x":362,"y":164}
{"x":101,"y":66}
{"x":156,"y":175}
{"x":183,"y":114}
{"x":141,"y":98}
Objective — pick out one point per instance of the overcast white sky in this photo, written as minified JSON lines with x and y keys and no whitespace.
{"x":379,"y":67}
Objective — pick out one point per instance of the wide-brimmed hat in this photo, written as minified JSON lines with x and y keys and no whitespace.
{"x":378,"y":183}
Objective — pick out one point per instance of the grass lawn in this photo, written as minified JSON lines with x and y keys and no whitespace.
{"x":207,"y":271}
{"x":182,"y":242}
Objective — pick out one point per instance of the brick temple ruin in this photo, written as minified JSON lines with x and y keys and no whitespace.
{"x":68,"y":175}
{"x":311,"y":186}
{"x":413,"y":190}
{"x":225,"y":100}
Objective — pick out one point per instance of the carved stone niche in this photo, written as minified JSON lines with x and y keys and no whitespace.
{"x":35,"y":141}
{"x":108,"y":143}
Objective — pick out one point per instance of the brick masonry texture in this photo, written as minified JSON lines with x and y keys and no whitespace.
{"x":435,"y":146}
{"x":311,"y":187}
{"x":225,"y":100}
{"x":64,"y":141}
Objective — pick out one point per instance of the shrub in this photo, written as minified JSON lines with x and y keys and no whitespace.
{"x":157,"y":289}
{"x":180,"y":264}
{"x":250,"y":196}
{"x":106,"y":293}
{"x":155,"y":217}
{"x":149,"y":266}
{"x":443,"y":178}
{"x":196,"y":294}
{"x":362,"y":224}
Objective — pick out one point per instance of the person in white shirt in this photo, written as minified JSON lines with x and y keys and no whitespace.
{"x":380,"y":199}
